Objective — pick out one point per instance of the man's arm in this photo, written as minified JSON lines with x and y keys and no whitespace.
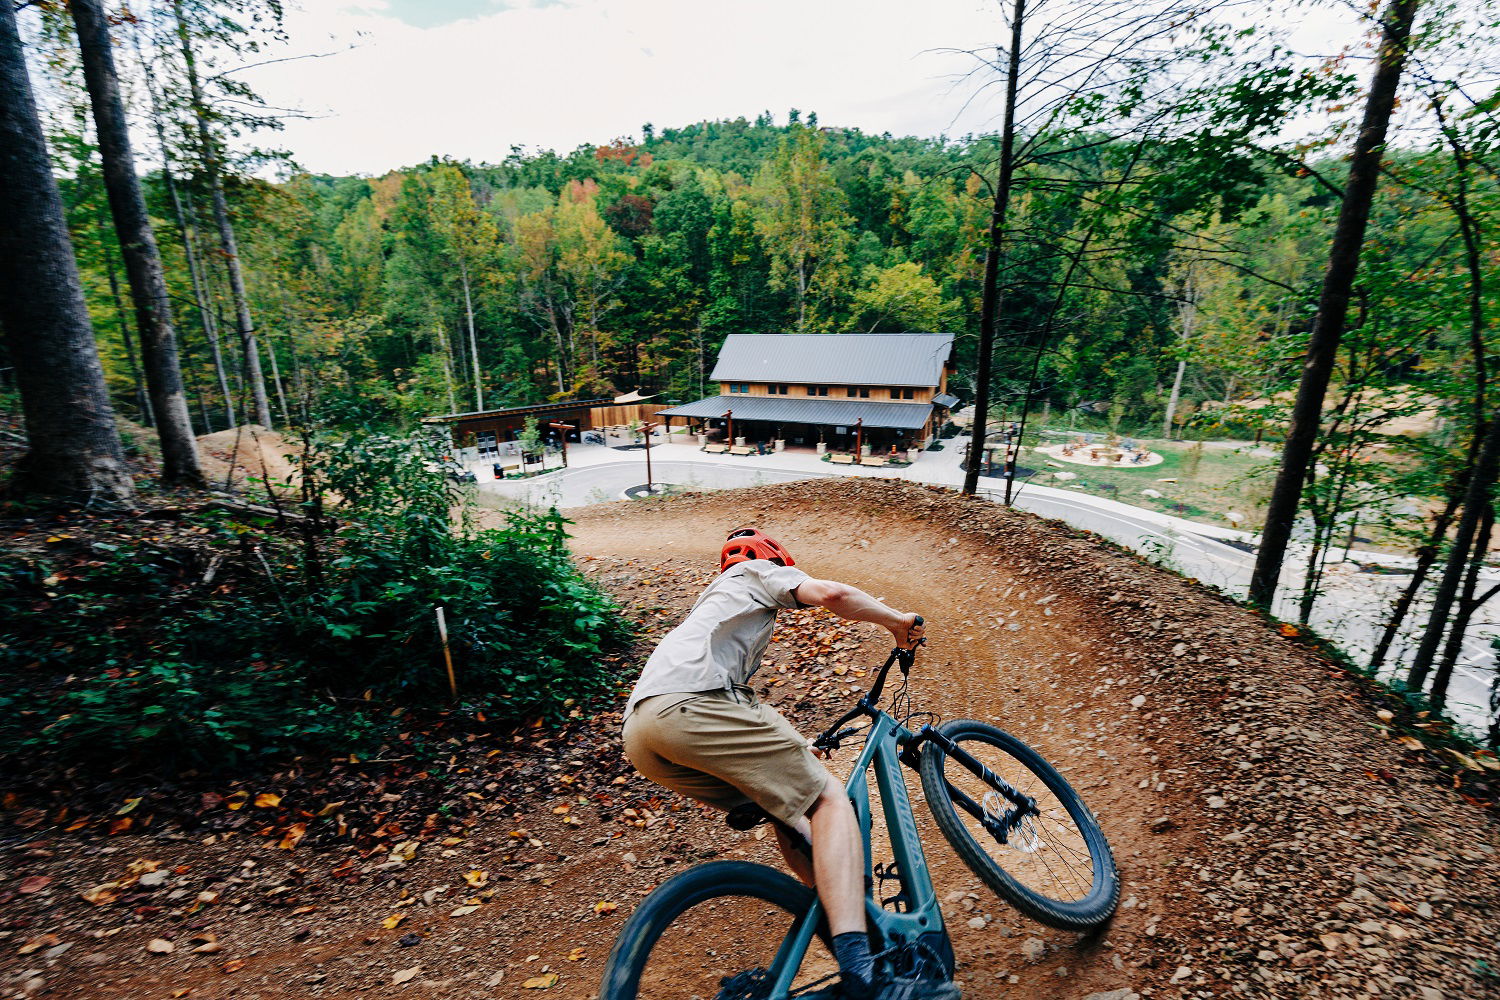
{"x":856,"y":605}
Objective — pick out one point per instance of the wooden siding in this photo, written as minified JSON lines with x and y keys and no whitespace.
{"x":797,"y":390}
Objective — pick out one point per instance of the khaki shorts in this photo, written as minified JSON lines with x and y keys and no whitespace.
{"x":725,"y":749}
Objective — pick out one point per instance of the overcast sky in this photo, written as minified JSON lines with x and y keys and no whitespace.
{"x":469,"y":79}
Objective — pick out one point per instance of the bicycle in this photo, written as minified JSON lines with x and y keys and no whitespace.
{"x":707,"y":933}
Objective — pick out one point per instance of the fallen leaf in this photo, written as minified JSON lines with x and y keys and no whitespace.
{"x":267,"y":800}
{"x":236,"y":800}
{"x":106,"y":892}
{"x":390,"y":922}
{"x":184,"y":991}
{"x":604,"y":906}
{"x":303,"y":909}
{"x":208,"y":948}
{"x":38,"y":943}
{"x":540,"y":982}
{"x":575,"y":954}
{"x":160,"y":946}
{"x":1385,"y":715}
{"x":1290,"y":631}
{"x":462,"y":910}
{"x":234,"y":965}
{"x":293,"y":837}
{"x":35,"y":883}
{"x":129,"y":806}
{"x":477,"y":878}
{"x":406,"y":975}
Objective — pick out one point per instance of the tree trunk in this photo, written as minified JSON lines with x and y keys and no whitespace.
{"x":227,"y":242}
{"x":1467,"y":605}
{"x":141,"y":399}
{"x":1333,"y":304}
{"x":1188,"y":314}
{"x":188,"y":231}
{"x":148,"y":286}
{"x":1426,"y":556}
{"x":1476,"y":501}
{"x":73,"y":447}
{"x":473,"y":342}
{"x":990,"y":304}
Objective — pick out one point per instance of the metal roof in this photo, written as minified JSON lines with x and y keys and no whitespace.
{"x":915,"y":359}
{"x":828,"y":412}
{"x":945,"y":399}
{"x":514,"y":411}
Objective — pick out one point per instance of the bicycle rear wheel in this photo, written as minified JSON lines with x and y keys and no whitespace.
{"x":712,"y":933}
{"x":1054,"y":865}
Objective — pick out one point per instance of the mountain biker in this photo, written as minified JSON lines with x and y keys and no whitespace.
{"x":693,"y":724}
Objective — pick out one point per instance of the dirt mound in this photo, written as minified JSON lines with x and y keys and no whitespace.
{"x":252,"y":453}
{"x":1272,"y":840}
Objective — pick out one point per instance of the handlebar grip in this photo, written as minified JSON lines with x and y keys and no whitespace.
{"x":918,"y":621}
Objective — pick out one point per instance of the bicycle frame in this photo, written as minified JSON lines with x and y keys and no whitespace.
{"x":889,"y":746}
{"x":884,"y":747}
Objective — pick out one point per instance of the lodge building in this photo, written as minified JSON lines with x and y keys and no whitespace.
{"x":869,"y":390}
{"x":839,"y":392}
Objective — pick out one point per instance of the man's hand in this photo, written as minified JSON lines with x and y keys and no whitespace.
{"x":909,"y":633}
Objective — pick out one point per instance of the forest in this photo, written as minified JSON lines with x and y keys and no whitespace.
{"x":1182,"y":227}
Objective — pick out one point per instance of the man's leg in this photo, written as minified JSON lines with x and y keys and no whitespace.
{"x":838,"y":860}
{"x":798,"y":862}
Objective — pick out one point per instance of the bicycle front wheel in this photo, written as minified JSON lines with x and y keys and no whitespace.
{"x":713,"y":933}
{"x":1052,"y":863}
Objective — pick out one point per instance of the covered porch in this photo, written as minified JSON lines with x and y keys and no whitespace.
{"x":762,"y":424}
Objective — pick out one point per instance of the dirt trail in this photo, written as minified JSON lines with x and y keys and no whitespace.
{"x":1270,"y":842}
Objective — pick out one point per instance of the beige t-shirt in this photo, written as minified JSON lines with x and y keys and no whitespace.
{"x":723,"y":638}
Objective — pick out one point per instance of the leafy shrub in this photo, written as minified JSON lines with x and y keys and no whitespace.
{"x":300,"y":644}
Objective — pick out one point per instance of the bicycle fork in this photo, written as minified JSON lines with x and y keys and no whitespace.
{"x":999,"y":824}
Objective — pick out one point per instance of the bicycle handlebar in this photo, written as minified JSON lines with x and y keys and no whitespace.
{"x":831,"y":737}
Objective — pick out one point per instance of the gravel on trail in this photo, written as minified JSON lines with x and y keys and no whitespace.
{"x":1273,"y":838}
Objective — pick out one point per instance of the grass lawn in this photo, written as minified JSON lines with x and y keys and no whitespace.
{"x":1209,"y":483}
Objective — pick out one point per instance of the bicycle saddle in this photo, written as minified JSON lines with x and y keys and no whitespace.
{"x":746,"y":816}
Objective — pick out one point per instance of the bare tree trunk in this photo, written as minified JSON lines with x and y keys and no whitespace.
{"x":1426,"y":556}
{"x":1467,"y":605}
{"x":188,"y":231}
{"x":141,"y":399}
{"x":1333,"y":304}
{"x":1476,"y":501}
{"x":1188,"y":314}
{"x":227,"y":242}
{"x":990,"y":304}
{"x":473,"y":342}
{"x":148,"y":285}
{"x":73,"y":447}
{"x":286,"y":417}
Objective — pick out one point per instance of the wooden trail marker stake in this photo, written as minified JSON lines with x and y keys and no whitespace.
{"x":447,"y":655}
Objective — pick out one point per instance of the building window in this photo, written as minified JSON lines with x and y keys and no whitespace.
{"x":817,"y":390}
{"x":858,"y":391}
{"x":739,"y":387}
{"x":777,"y":389}
{"x":903,"y":392}
{"x":486,"y":443}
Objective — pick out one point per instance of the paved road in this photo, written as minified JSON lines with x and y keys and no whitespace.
{"x":1349,"y":612}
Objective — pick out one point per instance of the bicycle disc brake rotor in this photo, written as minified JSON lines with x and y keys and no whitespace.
{"x":1023,"y":836}
{"x":752,"y":984}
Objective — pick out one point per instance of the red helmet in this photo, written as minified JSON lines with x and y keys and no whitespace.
{"x":749,"y":543}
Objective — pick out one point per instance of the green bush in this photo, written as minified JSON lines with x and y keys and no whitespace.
{"x":300,"y":644}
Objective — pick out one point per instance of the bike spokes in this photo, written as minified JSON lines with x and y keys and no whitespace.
{"x":723,"y":949}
